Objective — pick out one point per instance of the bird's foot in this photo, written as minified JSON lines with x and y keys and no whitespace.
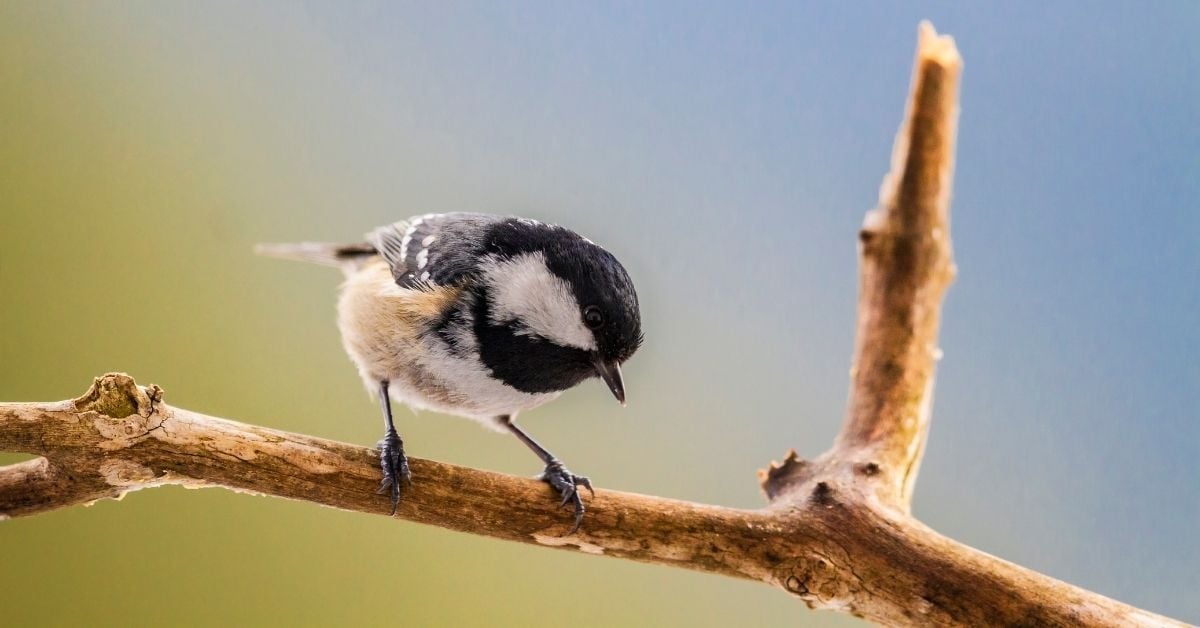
{"x":567,"y":484}
{"x":394,"y":465}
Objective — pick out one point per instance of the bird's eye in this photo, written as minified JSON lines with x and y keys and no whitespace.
{"x":592,"y":317}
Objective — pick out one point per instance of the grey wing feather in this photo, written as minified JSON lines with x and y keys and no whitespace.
{"x":433,"y":249}
{"x":345,"y":256}
{"x":390,"y":242}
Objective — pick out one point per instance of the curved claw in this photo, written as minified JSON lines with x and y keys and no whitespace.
{"x":578,"y":520}
{"x":582,"y":480}
{"x":562,"y":480}
{"x":394,"y":465}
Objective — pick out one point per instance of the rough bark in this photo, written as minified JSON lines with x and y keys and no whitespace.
{"x":837,"y":532}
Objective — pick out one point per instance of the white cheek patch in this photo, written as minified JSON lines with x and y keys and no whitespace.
{"x":524,"y":289}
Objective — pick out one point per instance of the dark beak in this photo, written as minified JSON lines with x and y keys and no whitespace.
{"x":610,"y":372}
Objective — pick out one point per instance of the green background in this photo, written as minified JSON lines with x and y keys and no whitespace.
{"x":726,"y":154}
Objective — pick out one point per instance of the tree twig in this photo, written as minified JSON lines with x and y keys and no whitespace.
{"x":38,"y":485}
{"x":837,"y":533}
{"x":907,"y":264}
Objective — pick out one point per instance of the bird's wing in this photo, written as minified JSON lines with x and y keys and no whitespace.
{"x":434,"y":249}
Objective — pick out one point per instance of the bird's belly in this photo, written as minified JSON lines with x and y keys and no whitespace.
{"x":460,"y":386}
{"x":390,"y":338}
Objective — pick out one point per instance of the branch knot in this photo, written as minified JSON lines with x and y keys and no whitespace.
{"x":779,"y":477}
{"x":117,"y":395}
{"x":821,"y":583}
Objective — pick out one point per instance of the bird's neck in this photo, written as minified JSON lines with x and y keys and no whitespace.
{"x":522,"y":360}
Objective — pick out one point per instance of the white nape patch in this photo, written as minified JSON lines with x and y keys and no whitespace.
{"x":422,"y":258}
{"x":524,"y":289}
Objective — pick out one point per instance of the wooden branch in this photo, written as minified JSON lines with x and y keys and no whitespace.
{"x":37,"y":485}
{"x":906,"y":266}
{"x":839,"y":548}
{"x":837,"y":533}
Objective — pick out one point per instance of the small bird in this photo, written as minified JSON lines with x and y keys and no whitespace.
{"x":479,"y":316}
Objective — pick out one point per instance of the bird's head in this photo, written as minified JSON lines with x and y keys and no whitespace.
{"x":554,"y":309}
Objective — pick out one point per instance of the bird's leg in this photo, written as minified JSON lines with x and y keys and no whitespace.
{"x":391,"y":452}
{"x":556,"y":474}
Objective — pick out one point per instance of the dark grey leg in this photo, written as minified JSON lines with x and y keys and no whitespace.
{"x":555,"y":474}
{"x":391,"y":452}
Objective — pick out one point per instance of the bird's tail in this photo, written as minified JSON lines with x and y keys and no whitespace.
{"x":342,"y":256}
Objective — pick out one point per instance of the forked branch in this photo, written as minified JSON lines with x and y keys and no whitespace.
{"x":837,"y":533}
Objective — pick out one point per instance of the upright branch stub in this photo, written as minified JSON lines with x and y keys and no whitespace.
{"x":907,"y":263}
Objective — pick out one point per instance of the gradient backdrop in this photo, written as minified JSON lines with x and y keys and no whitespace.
{"x":726,"y":154}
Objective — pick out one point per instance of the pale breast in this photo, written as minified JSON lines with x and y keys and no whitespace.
{"x":388,"y":333}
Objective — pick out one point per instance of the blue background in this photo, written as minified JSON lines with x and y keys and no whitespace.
{"x":727,"y":154}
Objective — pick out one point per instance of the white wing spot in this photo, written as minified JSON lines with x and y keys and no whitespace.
{"x":425,"y":276}
{"x":422,"y":258}
{"x":408,"y":234}
{"x":428,"y":240}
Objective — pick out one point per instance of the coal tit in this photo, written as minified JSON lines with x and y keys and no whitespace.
{"x":479,"y":316}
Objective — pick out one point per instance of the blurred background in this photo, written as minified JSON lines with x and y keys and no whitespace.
{"x":726,"y":155}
